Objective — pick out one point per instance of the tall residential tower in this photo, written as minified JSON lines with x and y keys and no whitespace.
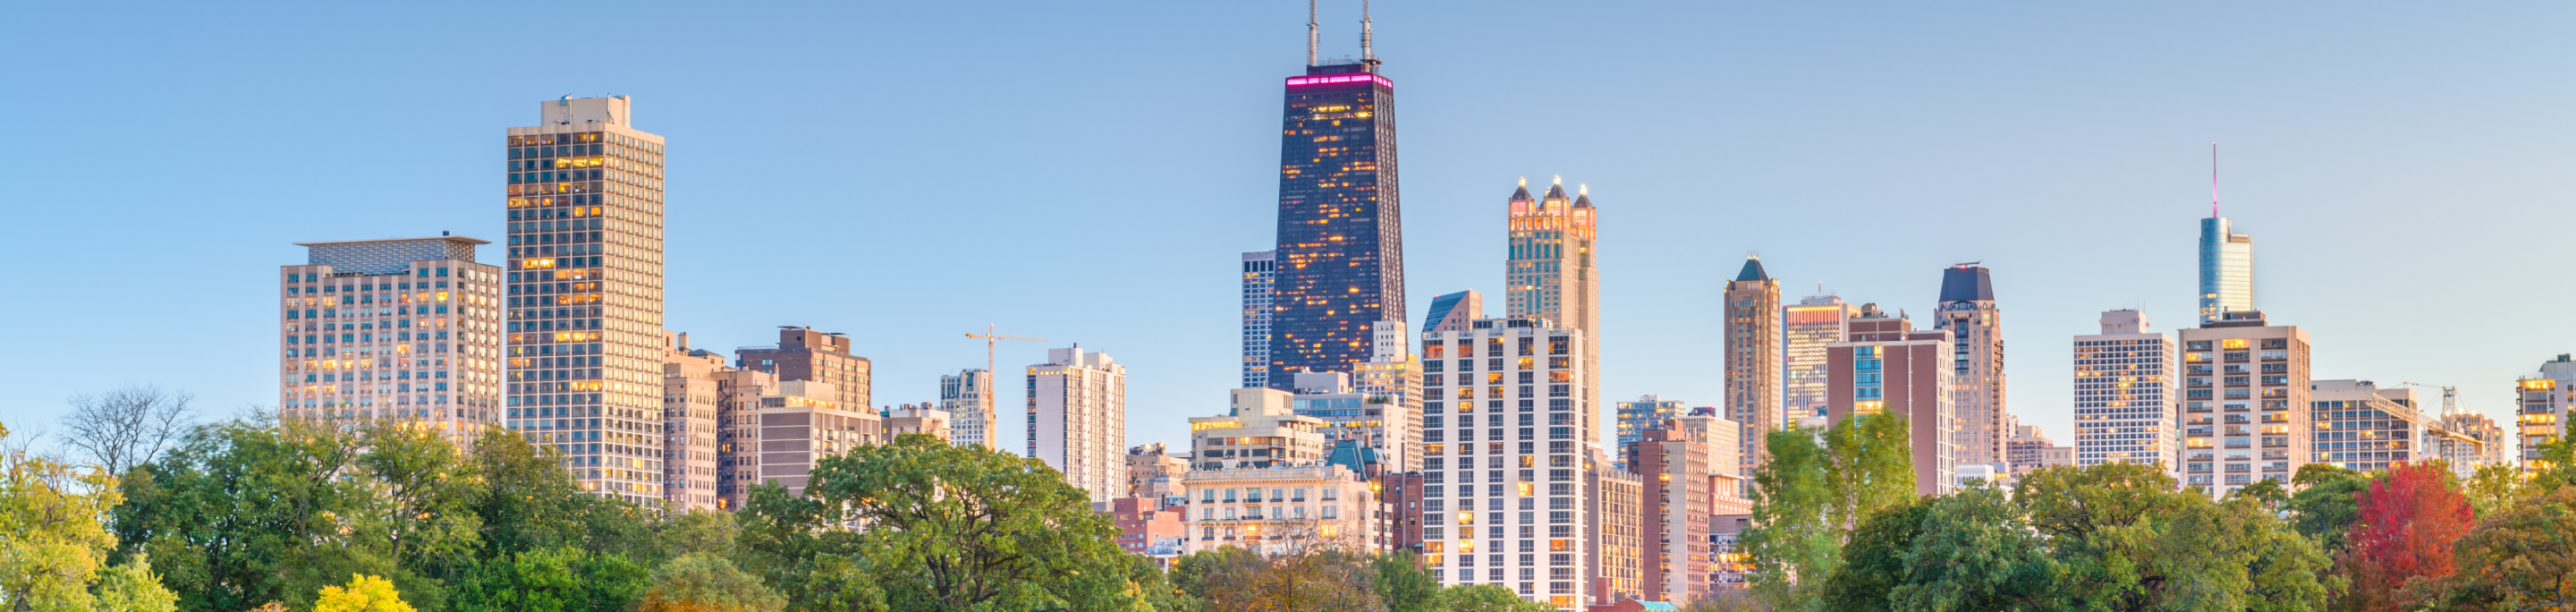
{"x":405,"y":329}
{"x":2126,"y":408}
{"x":1550,"y":275}
{"x":1968,"y":311}
{"x":1753,"y":337}
{"x":1260,"y":273}
{"x":584,"y":200}
{"x":1077,"y":419}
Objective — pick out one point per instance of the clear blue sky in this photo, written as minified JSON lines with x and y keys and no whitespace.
{"x":1088,"y":171}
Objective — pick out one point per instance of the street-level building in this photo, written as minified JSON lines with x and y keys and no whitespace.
{"x":405,"y":329}
{"x":1153,"y":472}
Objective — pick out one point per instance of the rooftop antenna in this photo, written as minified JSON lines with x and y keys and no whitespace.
{"x":1366,"y":54}
{"x":2213,"y":180}
{"x":1312,"y":38}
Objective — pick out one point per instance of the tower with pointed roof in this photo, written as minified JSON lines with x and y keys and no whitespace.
{"x":1550,"y":273}
{"x":1967,"y":309}
{"x":1753,"y":359}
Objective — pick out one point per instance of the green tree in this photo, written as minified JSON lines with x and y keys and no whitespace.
{"x":1487,"y":598}
{"x":2521,"y":558}
{"x":700,"y":582}
{"x":132,"y":587}
{"x":362,"y":594}
{"x":1869,"y":466}
{"x":698,"y":531}
{"x":255,"y":510}
{"x":2122,"y":538}
{"x":52,"y":544}
{"x":1874,"y":560}
{"x":948,"y":528}
{"x":2492,"y":488}
{"x":1975,"y":551}
{"x":1792,"y":534}
{"x":2325,"y":505}
{"x":558,"y":580}
{"x":1403,"y":585}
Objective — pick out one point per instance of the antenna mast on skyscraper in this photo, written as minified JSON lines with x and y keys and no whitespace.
{"x":2213,"y":180}
{"x":1313,"y":39}
{"x":1366,"y":53}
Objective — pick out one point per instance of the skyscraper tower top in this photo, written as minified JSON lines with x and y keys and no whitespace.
{"x":2226,"y":259}
{"x":1967,"y":282}
{"x":1340,"y":254}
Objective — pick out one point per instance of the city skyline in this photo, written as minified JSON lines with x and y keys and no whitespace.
{"x":2308,"y":259}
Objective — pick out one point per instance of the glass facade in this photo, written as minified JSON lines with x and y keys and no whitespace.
{"x":2226,"y":270}
{"x":584,"y":303}
{"x":1341,"y":240}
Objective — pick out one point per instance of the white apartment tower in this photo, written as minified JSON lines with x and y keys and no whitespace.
{"x":405,"y":329}
{"x":2542,"y":405}
{"x":968,"y":399}
{"x":1260,"y":271}
{"x":584,"y":204}
{"x":1506,"y":441}
{"x":2126,"y":404}
{"x":1077,"y":404}
{"x":2245,"y":386}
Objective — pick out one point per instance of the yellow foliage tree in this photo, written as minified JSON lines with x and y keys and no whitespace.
{"x":363,"y":594}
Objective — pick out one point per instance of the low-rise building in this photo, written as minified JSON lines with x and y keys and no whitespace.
{"x":1260,"y":429}
{"x":1281,"y":508}
{"x":1142,"y":523}
{"x":922,"y":418}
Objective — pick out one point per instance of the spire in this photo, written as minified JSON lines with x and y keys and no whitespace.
{"x":1556,"y":190}
{"x":1366,"y":52}
{"x":1313,"y":39}
{"x":1752,"y":270}
{"x":1521,"y":194}
{"x":1582,"y":196}
{"x":2213,"y":180}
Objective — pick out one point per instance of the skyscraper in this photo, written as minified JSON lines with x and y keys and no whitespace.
{"x":1077,"y":423}
{"x":1806,"y":328}
{"x":2126,"y":405}
{"x":1260,"y":273}
{"x":1519,"y":434}
{"x":1753,"y":337}
{"x":405,"y":329}
{"x":1634,"y":418}
{"x":1886,"y":367}
{"x":2543,"y":403}
{"x":584,"y":201}
{"x":2256,"y":374}
{"x":968,"y":398}
{"x":1967,"y":309}
{"x":805,"y":354}
{"x":1452,"y":312}
{"x":2226,"y":268}
{"x":1340,"y":257}
{"x":1550,"y":275}
{"x":697,"y":385}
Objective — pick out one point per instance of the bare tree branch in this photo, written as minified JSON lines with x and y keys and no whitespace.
{"x":127,"y":426}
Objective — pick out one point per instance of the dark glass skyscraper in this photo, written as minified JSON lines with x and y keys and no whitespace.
{"x":1341,"y":230}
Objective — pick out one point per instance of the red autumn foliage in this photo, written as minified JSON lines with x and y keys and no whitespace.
{"x":2403,"y":530}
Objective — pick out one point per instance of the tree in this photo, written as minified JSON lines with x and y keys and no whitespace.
{"x":2491,"y":488}
{"x":2325,"y":505}
{"x":2122,"y":538}
{"x":363,"y":594}
{"x":52,"y":545}
{"x":2521,"y":558}
{"x":559,"y":580}
{"x":698,"y":531}
{"x":1791,"y":536}
{"x":132,"y":587}
{"x":1869,"y":465}
{"x":1296,"y":570}
{"x":1487,"y":598}
{"x":951,"y":528}
{"x":1873,"y":561}
{"x":700,"y":582}
{"x":1403,"y":585}
{"x":127,"y":426}
{"x":2404,"y":529}
{"x":426,"y":492}
{"x":1726,"y":600}
{"x":1975,"y":551}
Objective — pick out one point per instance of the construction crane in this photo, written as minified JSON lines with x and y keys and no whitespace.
{"x":2450,"y":397}
{"x":2445,"y":435}
{"x":991,"y":336}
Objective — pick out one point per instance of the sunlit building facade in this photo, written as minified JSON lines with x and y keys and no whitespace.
{"x":2245,"y":402}
{"x":1888,"y":367}
{"x":968,"y":398}
{"x":2542,"y":407}
{"x":1968,"y":311}
{"x":2126,"y":404}
{"x":1077,"y":419}
{"x":1753,"y":337}
{"x":404,"y":329}
{"x":1635,"y":417}
{"x":1805,"y":329}
{"x":2226,"y":269}
{"x":2356,"y":425}
{"x":1507,"y":443}
{"x":1550,"y":274}
{"x":1260,"y":273}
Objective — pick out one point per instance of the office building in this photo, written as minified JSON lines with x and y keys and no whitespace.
{"x":1454,"y":311}
{"x":1274,"y":510}
{"x":805,"y":354}
{"x":695,"y":385}
{"x":1551,"y":274}
{"x":1340,"y":254}
{"x":1260,"y":273}
{"x":2127,"y":402}
{"x":1154,"y":473}
{"x":2356,"y":425}
{"x":1887,"y":367}
{"x":924,"y":418}
{"x":1967,"y":310}
{"x":2245,"y":402}
{"x":968,"y":399}
{"x":584,"y":205}
{"x":2226,"y":269}
{"x":780,"y":435}
{"x":1077,"y":421}
{"x":1615,"y":536}
{"x":1703,"y":425}
{"x":1682,"y":484}
{"x":1647,"y":412}
{"x":1805,"y":329}
{"x":1753,"y":338}
{"x":2541,"y":409}
{"x":1507,"y":416}
{"x":1261,"y":428}
{"x":405,"y":329}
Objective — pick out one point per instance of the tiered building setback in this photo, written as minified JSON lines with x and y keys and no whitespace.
{"x":1551,"y":275}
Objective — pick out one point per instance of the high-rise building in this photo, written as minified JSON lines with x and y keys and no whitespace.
{"x":824,"y":357}
{"x":406,"y":329}
{"x":1509,"y":419}
{"x":1805,"y":329}
{"x":968,"y":398}
{"x":1260,"y":273}
{"x":1551,"y":274}
{"x":584,"y":202}
{"x":2127,"y":405}
{"x":1634,"y":418}
{"x":695,"y":385}
{"x":2493,"y":447}
{"x":1887,"y":367}
{"x":2226,"y":268}
{"x":1340,"y":255}
{"x":1967,"y":310}
{"x":1391,"y":385}
{"x":1680,"y":491}
{"x":2542,"y":407}
{"x":2254,"y":376}
{"x":1454,"y":311}
{"x":2356,"y":425}
{"x":1615,"y":532}
{"x":1077,"y":403}
{"x":781,"y":434}
{"x":1753,"y":360}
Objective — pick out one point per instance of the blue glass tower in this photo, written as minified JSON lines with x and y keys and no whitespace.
{"x":1341,"y":236}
